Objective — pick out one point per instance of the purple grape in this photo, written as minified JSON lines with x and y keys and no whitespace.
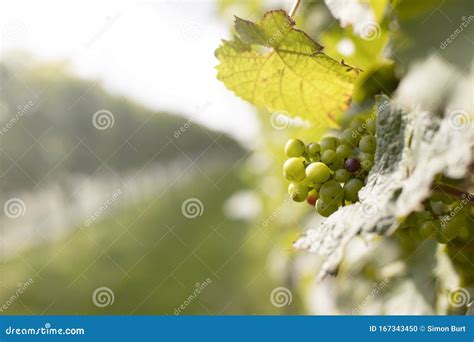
{"x":352,"y":164}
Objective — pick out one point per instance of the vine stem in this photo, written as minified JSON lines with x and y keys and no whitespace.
{"x":294,"y":8}
{"x":449,"y":189}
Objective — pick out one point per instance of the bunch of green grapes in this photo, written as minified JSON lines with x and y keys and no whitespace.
{"x":329,"y":174}
{"x":444,"y":219}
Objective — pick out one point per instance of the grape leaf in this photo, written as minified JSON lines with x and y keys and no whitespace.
{"x":412,"y":147}
{"x":273,"y":65}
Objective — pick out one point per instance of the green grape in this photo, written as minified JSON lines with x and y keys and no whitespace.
{"x":344,"y":151}
{"x":348,"y":137}
{"x":438,"y":207}
{"x":366,"y":164}
{"x":294,"y":148}
{"x":318,"y":172}
{"x":315,"y":158}
{"x":449,"y":227}
{"x":427,"y":228}
{"x":367,"y":144}
{"x":331,"y":192}
{"x":368,"y":156}
{"x":328,"y":156}
{"x":371,"y":126}
{"x":328,"y":143}
{"x":336,"y":164}
{"x":293,"y":169}
{"x":342,"y":175}
{"x":314,"y":149}
{"x":312,"y":197}
{"x":298,"y":192}
{"x":414,"y":233}
{"x":357,"y":125}
{"x":351,"y":189}
{"x":325,"y":209}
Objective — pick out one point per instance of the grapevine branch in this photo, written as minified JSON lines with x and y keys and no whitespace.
{"x":449,"y":189}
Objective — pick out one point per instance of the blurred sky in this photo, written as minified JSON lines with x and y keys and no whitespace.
{"x":160,"y":53}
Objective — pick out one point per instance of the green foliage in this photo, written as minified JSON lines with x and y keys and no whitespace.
{"x":294,"y":76}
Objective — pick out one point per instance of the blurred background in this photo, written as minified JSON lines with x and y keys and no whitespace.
{"x":133,"y":182}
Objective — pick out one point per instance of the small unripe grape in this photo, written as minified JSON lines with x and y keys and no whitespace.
{"x":298,"y":192}
{"x":368,"y":156}
{"x":449,"y":228}
{"x":336,"y":164}
{"x":328,"y":156}
{"x":328,"y":143}
{"x":325,"y":209}
{"x":342,"y":175}
{"x":427,"y":228}
{"x":351,"y":189}
{"x":367,"y":144}
{"x":414,"y":233}
{"x":350,"y":138}
{"x":371,"y":126}
{"x":358,"y":124}
{"x":442,"y":197}
{"x":331,"y":192}
{"x":352,"y":164}
{"x":318,"y":172}
{"x":344,"y":151}
{"x":294,"y":148}
{"x":366,"y":164}
{"x":293,"y":169}
{"x":312,"y":197}
{"x":313,"y":149}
